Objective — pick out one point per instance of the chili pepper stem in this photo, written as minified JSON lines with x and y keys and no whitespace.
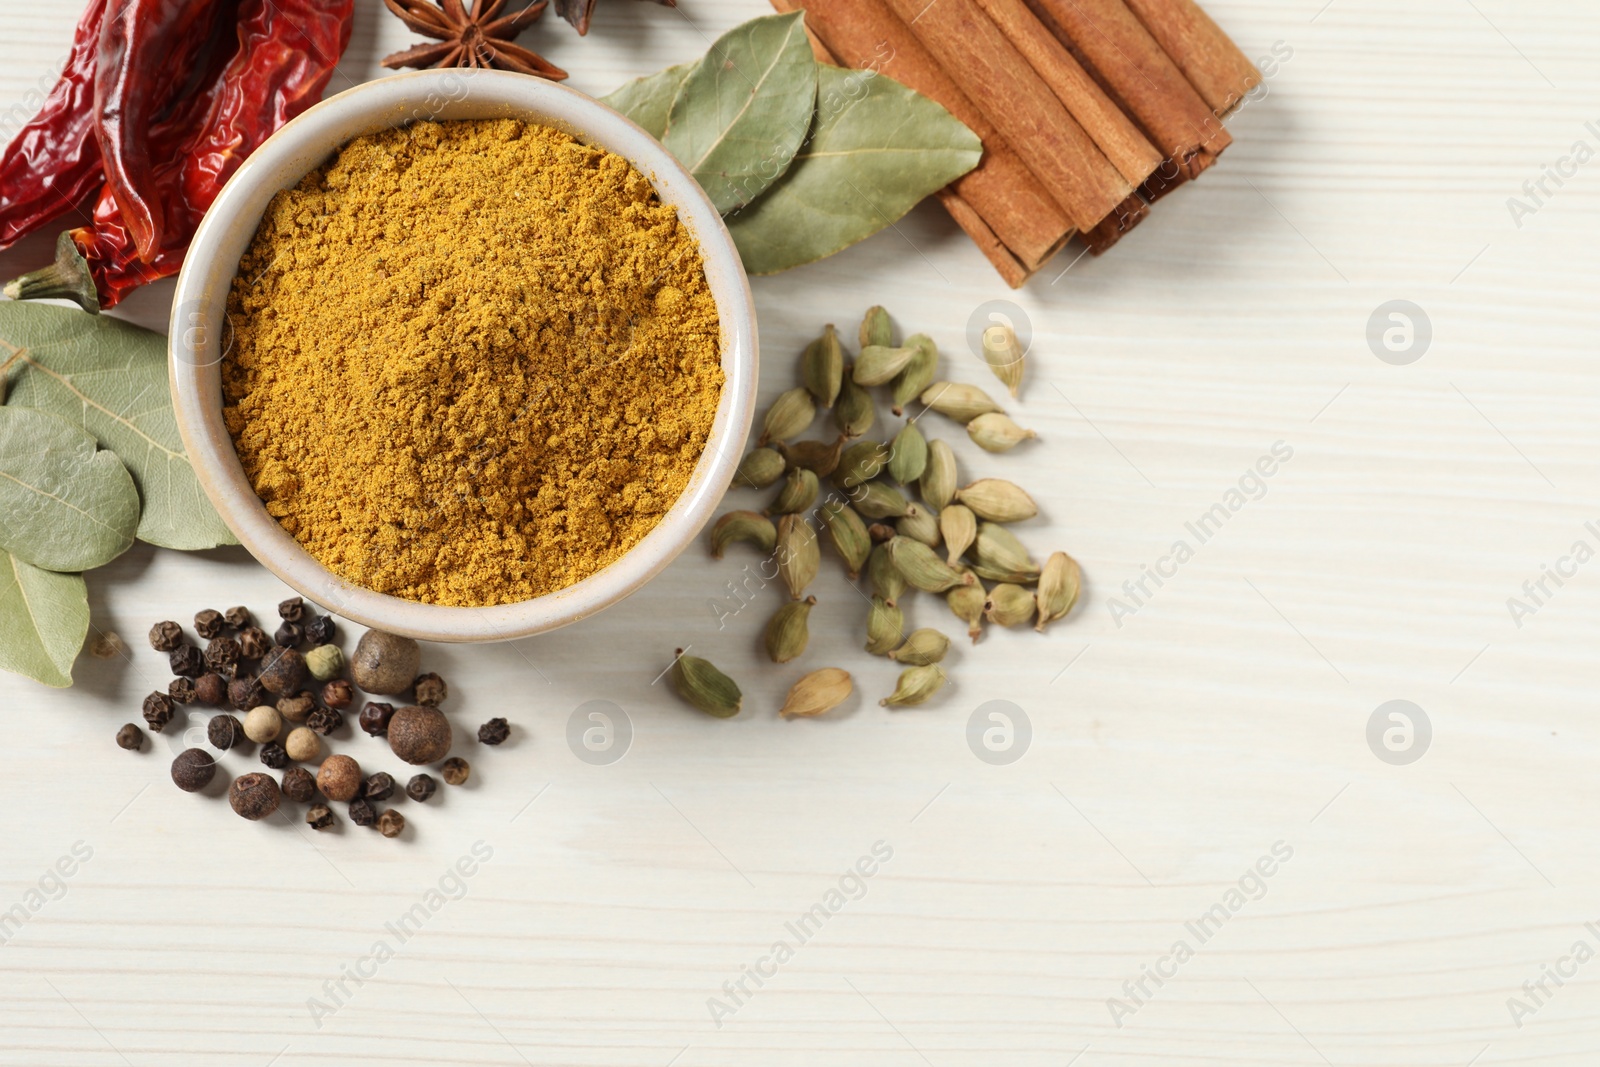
{"x":67,"y":278}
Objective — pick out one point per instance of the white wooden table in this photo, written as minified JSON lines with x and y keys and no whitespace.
{"x":1172,"y":748}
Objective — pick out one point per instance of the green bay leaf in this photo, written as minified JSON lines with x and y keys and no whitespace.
{"x":876,"y":150}
{"x":110,"y":377}
{"x":648,"y":100}
{"x":744,"y":109}
{"x":65,"y":505}
{"x":44,"y":617}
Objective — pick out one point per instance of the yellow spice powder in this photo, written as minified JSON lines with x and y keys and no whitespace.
{"x":472,"y":362}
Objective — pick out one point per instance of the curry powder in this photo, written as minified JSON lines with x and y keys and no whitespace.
{"x":472,"y":362}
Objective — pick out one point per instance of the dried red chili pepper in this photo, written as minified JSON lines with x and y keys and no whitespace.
{"x":54,"y":161}
{"x":146,"y":49}
{"x":286,"y":54}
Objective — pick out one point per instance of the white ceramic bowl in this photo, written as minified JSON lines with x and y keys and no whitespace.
{"x":198,"y":332}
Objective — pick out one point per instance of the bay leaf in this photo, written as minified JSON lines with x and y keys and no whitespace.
{"x":44,"y":617}
{"x":648,"y":100}
{"x":65,"y":505}
{"x":744,"y":109}
{"x":877,"y":148}
{"x":110,"y":377}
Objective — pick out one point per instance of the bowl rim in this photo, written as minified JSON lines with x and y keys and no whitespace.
{"x":307,"y":141}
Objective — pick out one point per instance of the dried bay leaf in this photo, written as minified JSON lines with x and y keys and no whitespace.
{"x":65,"y":505}
{"x":110,"y":377}
{"x":876,"y":149}
{"x":648,"y":100}
{"x":44,"y":617}
{"x":744,"y":109}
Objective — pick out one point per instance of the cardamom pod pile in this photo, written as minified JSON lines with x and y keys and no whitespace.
{"x":893,"y":511}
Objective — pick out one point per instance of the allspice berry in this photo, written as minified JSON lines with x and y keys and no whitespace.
{"x":193,"y":769}
{"x":208,"y":623}
{"x":283,"y":671}
{"x":244,"y":693}
{"x":430,"y":690}
{"x":263,"y":724}
{"x":224,"y":732}
{"x":130,"y":737}
{"x":385,"y":663}
{"x":339,"y":778}
{"x":298,"y":785}
{"x":254,"y":643}
{"x":166,"y":636}
{"x":320,"y":817}
{"x":254,"y":796}
{"x":303,"y":744}
{"x":157,"y":711}
{"x":419,"y":735}
{"x":456,"y":771}
{"x":325,"y":662}
{"x":391,"y":823}
{"x":421,"y":787}
{"x":338,"y":694}
{"x":211,"y":689}
{"x":297,"y":708}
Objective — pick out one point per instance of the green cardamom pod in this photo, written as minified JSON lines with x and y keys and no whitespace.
{"x":821,"y":457}
{"x":886,"y":627}
{"x":1003,"y":352}
{"x":822,"y":366}
{"x":995,"y":432}
{"x":1009,"y":605}
{"x":759,"y":469}
{"x":923,"y":569}
{"x":997,"y":500}
{"x":799,"y":492}
{"x":1058,"y":589}
{"x":789,"y":416}
{"x":746,"y":526}
{"x":854,"y":412}
{"x":960,"y":529}
{"x":789,"y":630}
{"x":963,"y":403}
{"x":876,"y":329}
{"x":938,"y":483}
{"x":861,"y":462}
{"x":922,"y":647}
{"x":875,"y":500}
{"x":918,"y":374}
{"x":915,"y":686}
{"x":908,"y":454}
{"x":705,"y":687}
{"x":888,"y":584}
{"x":818,"y":693}
{"x":877,"y":364}
{"x":799,"y":555}
{"x":1003,"y":558}
{"x":919,"y":525}
{"x":968,"y":602}
{"x":848,"y":534}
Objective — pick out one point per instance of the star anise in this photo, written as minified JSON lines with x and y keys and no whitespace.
{"x":577,"y":12}
{"x":473,"y":38}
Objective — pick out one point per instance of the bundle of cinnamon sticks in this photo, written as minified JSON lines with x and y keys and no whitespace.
{"x":1089,"y":110}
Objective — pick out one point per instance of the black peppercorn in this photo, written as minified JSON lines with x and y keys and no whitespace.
{"x":274,"y":755}
{"x":430,"y":690}
{"x":289,"y":635}
{"x":298,"y":707}
{"x":181,"y":690}
{"x":324,"y":721}
{"x":378,"y":786}
{"x":362,"y":813}
{"x":455,"y":770}
{"x":130,"y":737}
{"x":292,"y":610}
{"x":253,"y":642}
{"x":319,"y":630}
{"x":391,"y":823}
{"x":338,"y":694}
{"x":494,"y":731}
{"x":157,"y":711}
{"x":254,"y":796}
{"x":238,"y":617}
{"x":222,"y":653}
{"x":244,"y":693}
{"x":421,"y":787}
{"x":187,"y":660}
{"x":210,"y":689}
{"x":319,"y":817}
{"x":166,"y":636}
{"x":208,"y":623}
{"x":375,"y":718}
{"x":224,"y":732}
{"x":299,"y":785}
{"x":193,"y":769}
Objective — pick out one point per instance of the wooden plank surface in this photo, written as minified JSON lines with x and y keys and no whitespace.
{"x":1173,"y":747}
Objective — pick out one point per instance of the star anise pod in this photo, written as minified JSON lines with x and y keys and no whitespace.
{"x":473,"y":38}
{"x":577,"y":12}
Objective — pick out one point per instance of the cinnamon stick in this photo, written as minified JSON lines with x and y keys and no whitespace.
{"x":1209,"y":59}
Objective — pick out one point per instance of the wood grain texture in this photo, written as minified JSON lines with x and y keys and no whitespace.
{"x":1169,"y":753}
